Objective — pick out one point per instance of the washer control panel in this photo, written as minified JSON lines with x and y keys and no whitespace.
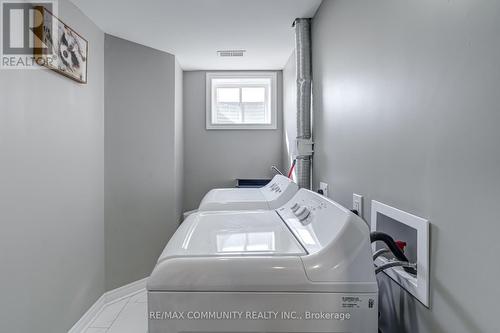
{"x":313,"y":219}
{"x":279,"y":190}
{"x":275,"y":187}
{"x":303,"y":210}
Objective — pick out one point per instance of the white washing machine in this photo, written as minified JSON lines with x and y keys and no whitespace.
{"x":275,"y":194}
{"x":304,"y":267}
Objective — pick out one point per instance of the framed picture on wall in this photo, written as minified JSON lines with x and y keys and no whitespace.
{"x":60,"y":48}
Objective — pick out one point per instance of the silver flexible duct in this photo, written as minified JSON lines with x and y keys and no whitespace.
{"x":391,"y":264}
{"x":303,"y":168}
{"x":304,"y":81}
{"x":380,"y":252}
{"x":304,"y":75}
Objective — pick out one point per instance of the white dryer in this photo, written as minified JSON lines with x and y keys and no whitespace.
{"x":275,"y":194}
{"x":304,"y":267}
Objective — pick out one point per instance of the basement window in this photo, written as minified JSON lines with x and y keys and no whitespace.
{"x":245,"y":100}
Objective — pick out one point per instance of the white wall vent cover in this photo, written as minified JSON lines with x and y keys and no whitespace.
{"x":231,"y":53}
{"x":418,"y":286}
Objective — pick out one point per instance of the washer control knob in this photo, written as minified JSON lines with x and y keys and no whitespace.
{"x":295,"y":207}
{"x":302,"y":213}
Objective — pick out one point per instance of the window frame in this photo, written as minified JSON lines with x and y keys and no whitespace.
{"x":242,"y":75}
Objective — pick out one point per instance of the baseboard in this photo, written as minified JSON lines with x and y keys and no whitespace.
{"x":124,"y":291}
{"x":87,"y":318}
{"x":107,"y":298}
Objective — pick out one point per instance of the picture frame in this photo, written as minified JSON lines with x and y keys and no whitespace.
{"x":60,"y":48}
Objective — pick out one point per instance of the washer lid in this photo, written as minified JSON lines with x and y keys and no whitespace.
{"x":236,"y":233}
{"x":275,"y":194}
{"x":234,"y":199}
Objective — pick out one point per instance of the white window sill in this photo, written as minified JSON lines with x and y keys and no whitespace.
{"x":241,"y":127}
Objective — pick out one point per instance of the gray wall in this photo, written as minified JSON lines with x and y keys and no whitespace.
{"x":406,"y":112}
{"x":215,"y":158}
{"x":179,"y":139}
{"x":289,"y":111}
{"x":140,"y":135}
{"x":51,"y":191}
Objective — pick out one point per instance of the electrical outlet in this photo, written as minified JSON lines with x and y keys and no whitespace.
{"x":324,"y":187}
{"x":357,"y":204}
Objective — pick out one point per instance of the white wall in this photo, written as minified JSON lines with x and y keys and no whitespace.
{"x":141,"y":144}
{"x":215,"y":158}
{"x":406,"y":97}
{"x":51,"y":191}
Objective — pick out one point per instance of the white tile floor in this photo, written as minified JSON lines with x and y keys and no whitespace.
{"x":128,"y":315}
